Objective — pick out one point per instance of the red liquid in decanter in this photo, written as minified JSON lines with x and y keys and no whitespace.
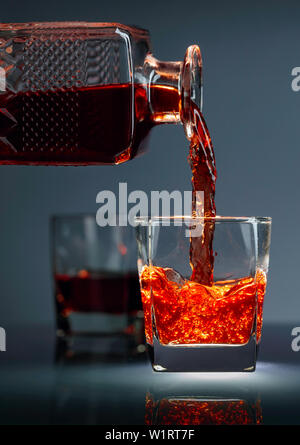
{"x":79,"y":126}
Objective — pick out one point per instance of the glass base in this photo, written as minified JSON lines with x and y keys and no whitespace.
{"x":204,"y":358}
{"x":100,"y":335}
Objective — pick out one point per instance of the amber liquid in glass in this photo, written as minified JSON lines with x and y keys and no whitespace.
{"x":87,"y":126}
{"x":79,"y":126}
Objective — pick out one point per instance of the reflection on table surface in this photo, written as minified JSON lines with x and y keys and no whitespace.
{"x":93,"y":388}
{"x":191,"y":410}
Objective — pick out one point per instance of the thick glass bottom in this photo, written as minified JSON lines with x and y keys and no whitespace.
{"x":204,"y":358}
{"x":110,"y":335}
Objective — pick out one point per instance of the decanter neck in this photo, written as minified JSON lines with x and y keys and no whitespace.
{"x":174,"y":89}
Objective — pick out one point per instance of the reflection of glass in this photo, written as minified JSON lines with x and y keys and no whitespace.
{"x":96,"y":281}
{"x":195,"y":327}
{"x":201,"y":411}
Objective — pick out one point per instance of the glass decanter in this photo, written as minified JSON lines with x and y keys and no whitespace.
{"x":76,"y":93}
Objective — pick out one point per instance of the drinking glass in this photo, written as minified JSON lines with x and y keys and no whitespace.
{"x":191,"y":326}
{"x":95,"y":279}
